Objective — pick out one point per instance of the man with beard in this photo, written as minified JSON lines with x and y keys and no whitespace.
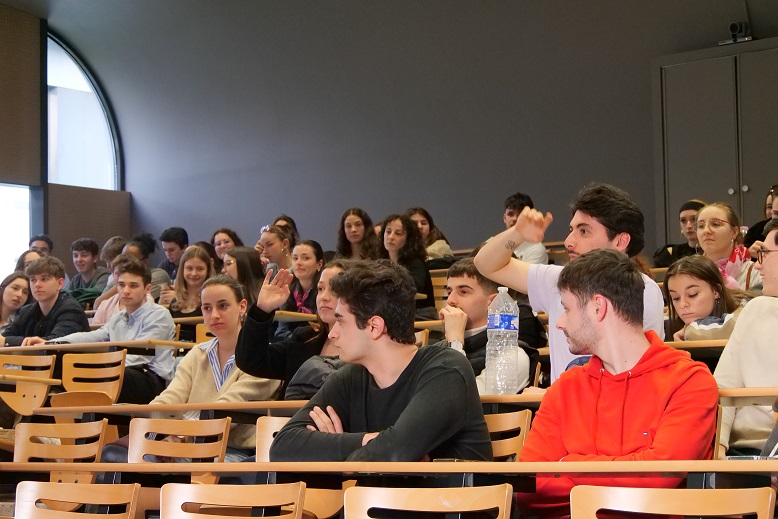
{"x":636,"y":399}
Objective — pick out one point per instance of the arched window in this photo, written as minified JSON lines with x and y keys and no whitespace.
{"x":83,"y":144}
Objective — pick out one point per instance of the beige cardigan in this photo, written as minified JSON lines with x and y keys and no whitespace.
{"x":194,"y":383}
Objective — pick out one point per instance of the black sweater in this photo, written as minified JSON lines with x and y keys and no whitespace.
{"x":66,"y":317}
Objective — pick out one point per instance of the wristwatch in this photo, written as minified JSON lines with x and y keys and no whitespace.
{"x":457,"y":345}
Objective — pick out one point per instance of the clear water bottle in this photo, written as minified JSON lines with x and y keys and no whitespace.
{"x":502,"y":348}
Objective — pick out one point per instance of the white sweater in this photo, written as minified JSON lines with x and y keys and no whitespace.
{"x":750,"y":359}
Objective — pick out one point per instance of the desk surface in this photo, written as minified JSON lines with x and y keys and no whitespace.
{"x":171,"y":410}
{"x":97,"y":346}
{"x":546,"y":469}
{"x":14,"y":379}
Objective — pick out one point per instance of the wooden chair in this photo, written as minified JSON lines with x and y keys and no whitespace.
{"x":181,"y":501}
{"x":359,"y":500}
{"x":439,"y":287}
{"x":143,"y":442}
{"x":422,"y":338}
{"x":91,"y":378}
{"x":501,"y":423}
{"x":32,"y":496}
{"x":27,"y":396}
{"x":319,"y":502}
{"x":586,"y":501}
{"x":202,"y":334}
{"x":77,"y":442}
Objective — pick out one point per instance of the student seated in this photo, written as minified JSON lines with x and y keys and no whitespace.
{"x":142,"y":246}
{"x":392,"y":401}
{"x":670,"y":253}
{"x":718,"y":232}
{"x":356,"y":239}
{"x":184,"y":299}
{"x":113,"y":304}
{"x":14,"y":294}
{"x":604,"y":216}
{"x":284,"y":359}
{"x":276,"y":244}
{"x":435,"y":242}
{"x":637,"y":399}
{"x":223,"y":240}
{"x":402,"y":245}
{"x":307,"y":262}
{"x":175,"y":241}
{"x":702,"y":307}
{"x":207,"y":373}
{"x":54,"y":313}
{"x":464,"y":321}
{"x":145,"y":376}
{"x":750,"y":357}
{"x":244,"y":265}
{"x":91,"y":279}
{"x":42,"y":243}
{"x":26,"y":258}
{"x":527,"y":251}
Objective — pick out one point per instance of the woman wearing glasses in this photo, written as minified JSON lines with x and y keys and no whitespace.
{"x":244,"y":265}
{"x":223,"y":240}
{"x":718,"y":232}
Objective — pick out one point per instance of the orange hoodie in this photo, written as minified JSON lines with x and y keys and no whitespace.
{"x":664,"y":408}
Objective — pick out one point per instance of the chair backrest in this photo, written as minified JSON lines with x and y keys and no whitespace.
{"x":27,"y":395}
{"x":267,"y":427}
{"x":202,"y":334}
{"x":96,"y":372}
{"x":717,"y":436}
{"x":70,"y":442}
{"x":502,"y":423}
{"x":359,"y":500}
{"x":31,"y":494}
{"x":143,"y":442}
{"x":181,"y":501}
{"x":422,"y":338}
{"x":438,"y":277}
{"x":586,"y":500}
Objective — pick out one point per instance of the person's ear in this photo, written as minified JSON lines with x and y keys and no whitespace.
{"x":148,"y":288}
{"x":491,"y":298}
{"x":60,"y":283}
{"x":601,"y":306}
{"x":622,"y":241}
{"x":375,"y":327}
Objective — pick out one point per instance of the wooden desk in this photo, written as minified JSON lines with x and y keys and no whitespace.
{"x":253,"y":409}
{"x":700,"y":349}
{"x":97,"y":346}
{"x":283,"y":316}
{"x":188,"y":320}
{"x":14,"y":379}
{"x":436,"y":325}
{"x":744,"y":396}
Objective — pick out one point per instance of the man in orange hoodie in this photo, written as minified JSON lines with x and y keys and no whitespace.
{"x":636,"y":399}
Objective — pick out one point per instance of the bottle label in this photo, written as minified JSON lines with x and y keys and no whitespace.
{"x":503,"y":322}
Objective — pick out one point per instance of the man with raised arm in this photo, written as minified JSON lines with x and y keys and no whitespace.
{"x":637,"y":399}
{"x":392,"y":401}
{"x":604,"y":217}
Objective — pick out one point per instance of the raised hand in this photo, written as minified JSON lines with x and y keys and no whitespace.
{"x":532,"y":224}
{"x":274,"y":293}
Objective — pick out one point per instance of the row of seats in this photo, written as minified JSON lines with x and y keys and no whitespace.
{"x":182,"y":501}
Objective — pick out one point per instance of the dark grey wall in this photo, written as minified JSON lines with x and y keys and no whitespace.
{"x":231,"y":112}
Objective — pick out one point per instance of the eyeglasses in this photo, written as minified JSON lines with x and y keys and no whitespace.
{"x":713,"y":224}
{"x":229,"y":263}
{"x":761,"y":253}
{"x":222,"y":243}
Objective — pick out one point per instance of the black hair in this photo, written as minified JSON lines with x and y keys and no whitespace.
{"x":435,"y":233}
{"x":380,"y":288}
{"x":85,"y":245}
{"x":413,"y":248}
{"x":145,"y":243}
{"x":369,"y":242}
{"x":177,"y":235}
{"x":616,"y":211}
{"x":518,"y":201}
{"x":42,"y":237}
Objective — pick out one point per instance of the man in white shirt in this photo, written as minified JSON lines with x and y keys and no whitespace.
{"x":145,"y":376}
{"x":604,"y":216}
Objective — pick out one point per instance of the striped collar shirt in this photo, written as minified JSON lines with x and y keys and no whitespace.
{"x":211,"y":349}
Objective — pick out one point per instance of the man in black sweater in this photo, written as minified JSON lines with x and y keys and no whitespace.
{"x":394,"y":401}
{"x":54,"y":313}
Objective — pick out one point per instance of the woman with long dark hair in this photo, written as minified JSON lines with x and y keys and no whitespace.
{"x":356,"y":239}
{"x":434,"y":240}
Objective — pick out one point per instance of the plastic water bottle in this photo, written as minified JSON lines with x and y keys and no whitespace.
{"x":502,"y":348}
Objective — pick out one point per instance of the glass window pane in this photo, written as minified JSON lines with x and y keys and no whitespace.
{"x":15,"y":202}
{"x":81,"y":148}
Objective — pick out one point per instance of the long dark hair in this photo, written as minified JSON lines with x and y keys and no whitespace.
{"x":413,"y":248}
{"x":7,"y":281}
{"x":369,"y":242}
{"x":229,"y":232}
{"x":321,"y":328}
{"x":318,"y":252}
{"x":23,"y":257}
{"x":435,"y":233}
{"x":251,"y":274}
{"x":702,"y":268}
